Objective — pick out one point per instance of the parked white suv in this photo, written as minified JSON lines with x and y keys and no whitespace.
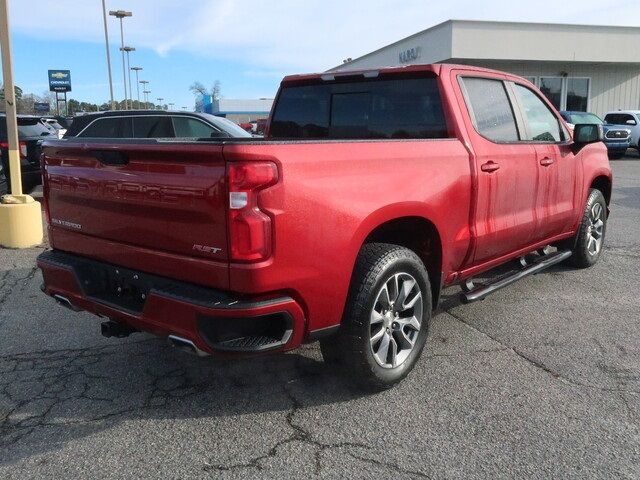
{"x":630,"y":119}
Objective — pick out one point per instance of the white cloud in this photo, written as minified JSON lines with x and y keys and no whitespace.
{"x":289,"y":35}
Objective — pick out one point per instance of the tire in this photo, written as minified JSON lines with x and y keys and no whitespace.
{"x":386,"y":319}
{"x":616,"y":155}
{"x":590,"y":238}
{"x":4,"y":186}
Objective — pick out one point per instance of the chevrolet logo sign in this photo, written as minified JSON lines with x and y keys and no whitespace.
{"x":59,"y":75}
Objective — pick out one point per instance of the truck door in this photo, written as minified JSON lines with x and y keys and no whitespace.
{"x":559,"y":172}
{"x":506,"y":169}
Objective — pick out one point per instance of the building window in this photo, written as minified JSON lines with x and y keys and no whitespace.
{"x":568,"y":93}
{"x":577,"y":94}
{"x":552,"y":89}
{"x":533,"y":80}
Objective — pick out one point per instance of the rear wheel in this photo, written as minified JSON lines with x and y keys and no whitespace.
{"x":386,"y":319}
{"x":590,"y":239}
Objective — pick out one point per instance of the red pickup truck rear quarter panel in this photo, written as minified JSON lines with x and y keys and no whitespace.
{"x":332,"y":195}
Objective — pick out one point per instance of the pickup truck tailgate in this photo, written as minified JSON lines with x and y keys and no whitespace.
{"x":162,"y":197}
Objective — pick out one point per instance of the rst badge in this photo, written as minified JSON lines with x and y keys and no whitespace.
{"x":206,"y":249}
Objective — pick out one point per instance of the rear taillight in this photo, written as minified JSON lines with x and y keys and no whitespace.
{"x":250,"y":235}
{"x":22,"y":146}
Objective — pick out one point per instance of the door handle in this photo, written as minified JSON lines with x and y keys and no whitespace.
{"x":490,"y":166}
{"x":546,"y":161}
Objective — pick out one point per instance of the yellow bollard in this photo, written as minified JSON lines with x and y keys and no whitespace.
{"x":20,"y":222}
{"x":20,"y":215}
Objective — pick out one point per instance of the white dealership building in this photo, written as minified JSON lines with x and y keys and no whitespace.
{"x":579,"y":67}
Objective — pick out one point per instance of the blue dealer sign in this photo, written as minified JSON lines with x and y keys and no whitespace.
{"x":59,"y":80}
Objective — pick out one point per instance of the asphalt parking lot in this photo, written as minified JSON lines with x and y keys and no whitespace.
{"x":540,"y":380}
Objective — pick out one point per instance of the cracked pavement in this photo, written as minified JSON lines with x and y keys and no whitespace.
{"x":540,"y":380}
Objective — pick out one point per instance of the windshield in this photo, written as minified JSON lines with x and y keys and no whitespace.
{"x":581,"y":118}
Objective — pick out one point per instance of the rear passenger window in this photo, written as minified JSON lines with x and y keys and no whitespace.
{"x":152,"y":127}
{"x":490,"y":109}
{"x":542,"y":124}
{"x":103,"y":128}
{"x":187,"y":127}
{"x":361,"y":109}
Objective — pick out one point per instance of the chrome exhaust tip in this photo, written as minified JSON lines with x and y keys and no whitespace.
{"x":65,"y":302}
{"x":186,"y":346}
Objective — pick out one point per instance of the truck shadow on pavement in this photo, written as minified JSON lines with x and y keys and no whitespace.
{"x":79,"y":392}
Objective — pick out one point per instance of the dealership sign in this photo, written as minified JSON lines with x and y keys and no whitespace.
{"x":41,"y":107}
{"x":409,"y":55}
{"x":59,"y":80}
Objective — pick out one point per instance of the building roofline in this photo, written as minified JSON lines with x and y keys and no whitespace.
{"x":487,"y":22}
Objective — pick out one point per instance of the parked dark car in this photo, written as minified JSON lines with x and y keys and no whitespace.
{"x":617,"y":138}
{"x":31,"y":132}
{"x":153,"y":124}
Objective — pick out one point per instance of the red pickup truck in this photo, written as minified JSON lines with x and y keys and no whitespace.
{"x":371,"y":191}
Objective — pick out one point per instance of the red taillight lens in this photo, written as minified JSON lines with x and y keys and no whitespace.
{"x":249,"y":227}
{"x":22,"y":146}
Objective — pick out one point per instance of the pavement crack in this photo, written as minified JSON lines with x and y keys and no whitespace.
{"x":393,"y":466}
{"x":298,"y":434}
{"x":536,"y":363}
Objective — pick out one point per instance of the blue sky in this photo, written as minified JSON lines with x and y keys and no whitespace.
{"x":248,"y":46}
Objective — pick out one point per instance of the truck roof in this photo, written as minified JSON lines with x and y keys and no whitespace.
{"x":436,"y":68}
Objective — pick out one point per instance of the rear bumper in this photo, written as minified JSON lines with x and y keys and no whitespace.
{"x":216,"y":322}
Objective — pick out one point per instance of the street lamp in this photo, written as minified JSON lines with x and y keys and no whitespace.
{"x":106,"y":41}
{"x":128,"y":50}
{"x":171,"y":106}
{"x":160,"y":102}
{"x":137,"y":69}
{"x":144,"y":88}
{"x":146,"y":97}
{"x":120,"y":14}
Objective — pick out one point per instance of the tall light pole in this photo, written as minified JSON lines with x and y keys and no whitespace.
{"x":20,"y":215}
{"x":144,"y":88}
{"x":128,"y":50}
{"x":146,"y":97}
{"x":137,"y":69}
{"x":106,"y":41}
{"x":160,"y":102}
{"x":171,"y":106}
{"x":120,"y":14}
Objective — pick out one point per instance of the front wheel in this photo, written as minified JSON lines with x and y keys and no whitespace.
{"x":386,"y":318}
{"x":590,"y":238}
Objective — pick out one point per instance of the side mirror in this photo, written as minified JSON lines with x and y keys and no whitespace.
{"x":586,"y":133}
{"x":631,"y":122}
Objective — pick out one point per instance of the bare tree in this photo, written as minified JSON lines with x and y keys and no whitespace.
{"x":216,"y":90}
{"x":197,"y":88}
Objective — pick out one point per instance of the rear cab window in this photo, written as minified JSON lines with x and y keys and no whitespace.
{"x":362,"y":108}
{"x":31,"y":127}
{"x":619,"y":119}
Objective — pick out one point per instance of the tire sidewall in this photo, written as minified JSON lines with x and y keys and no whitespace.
{"x":414,"y":267}
{"x":595,"y":196}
